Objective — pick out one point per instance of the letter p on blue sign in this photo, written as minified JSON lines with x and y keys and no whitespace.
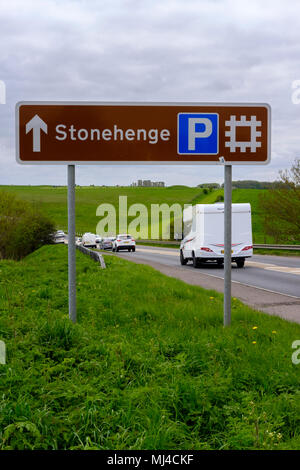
{"x":198,"y":133}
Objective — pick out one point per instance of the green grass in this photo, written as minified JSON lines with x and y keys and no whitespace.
{"x":53,"y":200}
{"x":148,"y":366}
{"x":209,"y":198}
{"x":261,"y":251}
{"x":252,"y":196}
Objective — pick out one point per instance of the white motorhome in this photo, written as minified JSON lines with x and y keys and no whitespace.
{"x":204,"y":234}
{"x":90,"y":240}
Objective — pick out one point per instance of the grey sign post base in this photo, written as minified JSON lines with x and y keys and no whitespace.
{"x":227,"y":243}
{"x":71,"y":243}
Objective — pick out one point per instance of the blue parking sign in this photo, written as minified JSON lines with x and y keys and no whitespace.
{"x":198,"y":133}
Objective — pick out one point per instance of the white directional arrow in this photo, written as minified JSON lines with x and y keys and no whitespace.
{"x":36,"y":124}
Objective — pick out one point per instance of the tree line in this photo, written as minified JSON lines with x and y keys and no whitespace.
{"x":23,"y":229}
{"x":245,"y":184}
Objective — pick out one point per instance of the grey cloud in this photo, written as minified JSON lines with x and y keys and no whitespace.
{"x":224,"y":50}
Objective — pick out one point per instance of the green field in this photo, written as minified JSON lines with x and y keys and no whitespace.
{"x":53,"y":201}
{"x":150,"y":368}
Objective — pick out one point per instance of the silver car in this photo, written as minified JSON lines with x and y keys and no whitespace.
{"x":107,"y":243}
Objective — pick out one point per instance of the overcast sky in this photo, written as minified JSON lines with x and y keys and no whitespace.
{"x":150,"y":50}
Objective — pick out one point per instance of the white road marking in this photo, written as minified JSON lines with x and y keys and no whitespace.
{"x":274,"y":267}
{"x":254,"y":287}
{"x":256,"y":264}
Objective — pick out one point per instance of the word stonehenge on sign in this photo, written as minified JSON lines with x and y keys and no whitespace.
{"x":116,"y":134}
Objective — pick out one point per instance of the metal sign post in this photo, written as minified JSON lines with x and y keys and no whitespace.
{"x":100,"y":133}
{"x":227,"y":243}
{"x":71,"y":243}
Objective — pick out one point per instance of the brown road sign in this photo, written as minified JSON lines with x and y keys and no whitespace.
{"x":142,"y":133}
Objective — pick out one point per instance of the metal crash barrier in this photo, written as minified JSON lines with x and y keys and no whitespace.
{"x":93,"y":254}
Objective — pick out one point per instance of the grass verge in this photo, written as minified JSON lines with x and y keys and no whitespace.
{"x":261,"y":251}
{"x":148,"y":365}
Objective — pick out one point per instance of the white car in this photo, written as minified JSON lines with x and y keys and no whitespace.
{"x":59,"y":236}
{"x":124,"y":241}
{"x":90,"y":240}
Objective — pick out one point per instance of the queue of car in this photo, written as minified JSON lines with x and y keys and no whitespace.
{"x":122,"y":241}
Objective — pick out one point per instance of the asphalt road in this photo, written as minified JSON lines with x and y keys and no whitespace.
{"x":268,"y":283}
{"x":274,"y":273}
